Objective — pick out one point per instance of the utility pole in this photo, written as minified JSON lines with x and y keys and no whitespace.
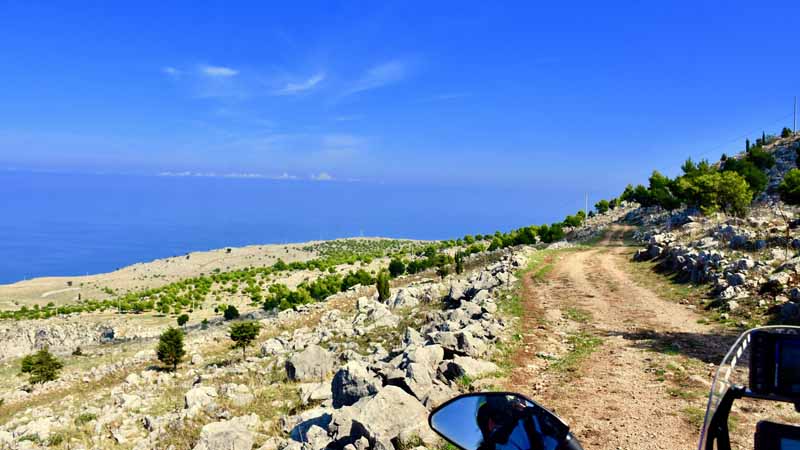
{"x":586,"y":205}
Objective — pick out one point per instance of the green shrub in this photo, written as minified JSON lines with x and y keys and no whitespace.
{"x":755,"y":177}
{"x":182,"y":319}
{"x":713,"y":191}
{"x":602,"y":206}
{"x":761,"y":158}
{"x":55,"y":440}
{"x":85,"y":418}
{"x":230,"y":313}
{"x":733,"y":194}
{"x":786,"y":132}
{"x":170,"y":349}
{"x":662,"y":191}
{"x":41,"y":367}
{"x":396,"y":268}
{"x":789,"y":188}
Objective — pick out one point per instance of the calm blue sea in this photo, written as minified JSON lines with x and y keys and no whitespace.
{"x":57,"y":224}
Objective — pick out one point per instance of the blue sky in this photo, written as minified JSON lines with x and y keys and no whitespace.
{"x":590,"y":94}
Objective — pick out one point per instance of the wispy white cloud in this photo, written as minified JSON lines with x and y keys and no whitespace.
{"x":218,"y":71}
{"x":342,"y":140}
{"x":171,"y":71}
{"x":348,"y":118}
{"x":445,"y":97}
{"x":293,"y":88}
{"x":207,"y":81}
{"x":379,"y":76}
{"x":322,"y":176}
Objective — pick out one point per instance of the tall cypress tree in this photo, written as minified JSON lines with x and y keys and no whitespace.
{"x":382,"y":285}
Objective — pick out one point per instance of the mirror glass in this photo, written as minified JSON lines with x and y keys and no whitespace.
{"x":498,"y":421}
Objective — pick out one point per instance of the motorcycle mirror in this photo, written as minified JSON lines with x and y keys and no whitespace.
{"x":492,"y":420}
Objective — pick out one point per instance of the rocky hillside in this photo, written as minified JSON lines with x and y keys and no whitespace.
{"x":351,"y":373}
{"x":750,"y":265}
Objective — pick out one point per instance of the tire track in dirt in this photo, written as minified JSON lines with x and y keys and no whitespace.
{"x":614,"y":400}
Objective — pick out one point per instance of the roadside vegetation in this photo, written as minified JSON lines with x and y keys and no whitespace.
{"x":729,"y":185}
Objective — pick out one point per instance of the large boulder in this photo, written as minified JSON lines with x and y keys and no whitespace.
{"x":776,"y":282}
{"x":464,"y":365}
{"x":42,"y":428}
{"x":372,"y":314}
{"x":484,"y":280}
{"x":790,"y":311}
{"x":413,"y":336}
{"x":745,"y":264}
{"x":405,"y":298}
{"x":430,"y":355}
{"x":470,"y":345}
{"x":418,"y":380}
{"x":736,"y":279}
{"x":199,"y":396}
{"x":272,"y":347}
{"x":458,"y":291}
{"x":314,"y":392}
{"x":238,"y":394}
{"x":351,"y":383}
{"x":317,"y":437}
{"x":234,"y":434}
{"x":312,"y":364}
{"x":298,"y":425}
{"x":388,"y":415}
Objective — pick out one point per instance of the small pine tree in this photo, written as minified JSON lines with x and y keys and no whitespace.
{"x":170,"y":349}
{"x":41,"y":366}
{"x":382,"y":284}
{"x":182,"y":319}
{"x":231,"y":313}
{"x":786,"y":132}
{"x":243,"y":334}
{"x":747,"y":145}
{"x":763,"y":138}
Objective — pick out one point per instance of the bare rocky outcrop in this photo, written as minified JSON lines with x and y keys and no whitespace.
{"x":313,"y":363}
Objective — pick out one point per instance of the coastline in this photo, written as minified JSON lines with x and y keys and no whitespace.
{"x":158,"y":272}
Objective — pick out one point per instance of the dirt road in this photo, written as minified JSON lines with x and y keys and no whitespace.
{"x":624,"y":367}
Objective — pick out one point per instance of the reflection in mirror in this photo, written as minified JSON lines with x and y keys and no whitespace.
{"x":498,"y":421}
